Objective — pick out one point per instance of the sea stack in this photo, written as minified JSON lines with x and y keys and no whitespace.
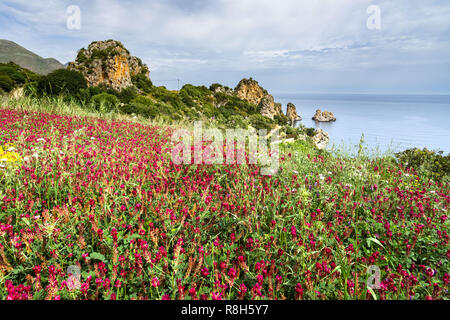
{"x":291,"y":113}
{"x":324,"y":116}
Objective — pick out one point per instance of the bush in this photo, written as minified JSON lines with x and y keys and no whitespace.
{"x":147,"y":111}
{"x":236,"y":121}
{"x":18,"y":74}
{"x":143,"y":100}
{"x":214,"y":86}
{"x":258,"y":121}
{"x":142,"y":82}
{"x":105,"y":102}
{"x":62,"y":81}
{"x":6,"y":83}
{"x":199,"y":93}
{"x":85,"y":95}
{"x":430,"y":163}
{"x":128,"y":94}
{"x":310,"y":132}
{"x":281,"y":119}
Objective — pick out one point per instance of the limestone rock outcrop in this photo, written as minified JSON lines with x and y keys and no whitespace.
{"x":251,"y":91}
{"x":109,"y":63}
{"x":324,"y":116}
{"x":321,"y":139}
{"x":17,"y":93}
{"x":291,"y":113}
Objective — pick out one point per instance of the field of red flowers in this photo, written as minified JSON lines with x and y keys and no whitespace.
{"x":103,"y":197}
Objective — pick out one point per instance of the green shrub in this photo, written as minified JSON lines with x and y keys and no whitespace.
{"x":238,"y":104}
{"x":430,"y":163}
{"x":19,"y":75}
{"x":199,"y":93}
{"x":258,"y":121}
{"x":146,"y":101}
{"x":62,"y":81}
{"x":128,"y":94}
{"x":81,"y":57}
{"x":290,"y":130}
{"x":187,"y":99}
{"x":105,"y":102}
{"x":236,"y":121}
{"x":208,"y":110}
{"x":6,"y":83}
{"x":310,"y":132}
{"x":85,"y":95}
{"x":214,"y":86}
{"x":281,"y":119}
{"x":147,"y":111}
{"x":142,"y":82}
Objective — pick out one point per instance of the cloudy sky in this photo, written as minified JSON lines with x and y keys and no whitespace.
{"x":289,"y":46}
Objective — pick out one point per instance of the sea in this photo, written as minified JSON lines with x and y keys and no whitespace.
{"x":383,"y":123}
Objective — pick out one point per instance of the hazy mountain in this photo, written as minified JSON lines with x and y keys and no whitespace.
{"x":11,"y":51}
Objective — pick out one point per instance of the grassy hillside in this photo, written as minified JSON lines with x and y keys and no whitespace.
{"x":10,"y":51}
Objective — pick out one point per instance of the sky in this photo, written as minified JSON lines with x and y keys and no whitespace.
{"x":289,"y":46}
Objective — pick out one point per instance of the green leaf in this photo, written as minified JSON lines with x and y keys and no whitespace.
{"x":369,"y":240}
{"x":373,"y":293}
{"x":98,"y":256}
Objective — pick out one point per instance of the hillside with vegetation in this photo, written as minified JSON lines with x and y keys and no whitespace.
{"x":12,"y":52}
{"x":106,"y":77}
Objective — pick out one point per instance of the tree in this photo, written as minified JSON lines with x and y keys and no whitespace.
{"x":62,"y":81}
{"x":6,"y":83}
{"x":105,"y":102}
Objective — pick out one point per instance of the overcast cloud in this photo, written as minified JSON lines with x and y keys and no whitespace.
{"x":288,"y":45}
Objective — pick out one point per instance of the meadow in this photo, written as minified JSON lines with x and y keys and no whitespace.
{"x":99,"y":192}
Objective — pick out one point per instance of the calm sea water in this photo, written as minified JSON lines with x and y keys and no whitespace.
{"x":388,"y":122}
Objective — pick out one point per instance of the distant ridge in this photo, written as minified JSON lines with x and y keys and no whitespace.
{"x":11,"y":51}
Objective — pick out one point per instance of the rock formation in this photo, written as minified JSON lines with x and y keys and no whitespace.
{"x":321,"y":139}
{"x":221,"y":89}
{"x":291,"y":113}
{"x":324,"y":116}
{"x":251,"y":91}
{"x":108,"y":63}
{"x":17,"y":93}
{"x":269,"y":108}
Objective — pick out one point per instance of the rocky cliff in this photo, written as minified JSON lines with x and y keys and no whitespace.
{"x":250,"y":90}
{"x":109,"y":63}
